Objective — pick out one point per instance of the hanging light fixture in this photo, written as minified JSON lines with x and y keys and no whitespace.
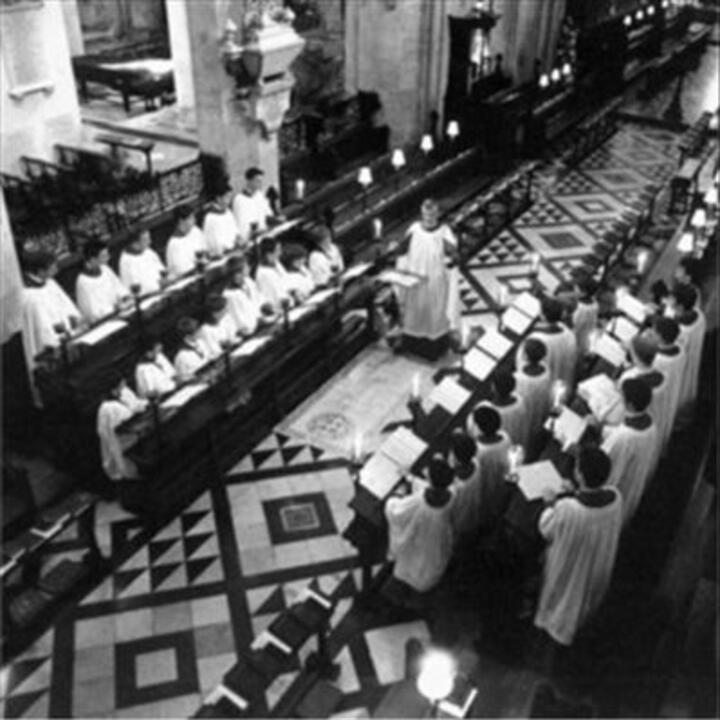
{"x":427,"y":144}
{"x":398,"y":159}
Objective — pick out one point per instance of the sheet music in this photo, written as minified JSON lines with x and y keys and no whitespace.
{"x":515,"y":321}
{"x":99,"y":333}
{"x":322,"y":296}
{"x":632,"y":307}
{"x":355,"y":271}
{"x":624,"y":329}
{"x":299,"y":312}
{"x":527,"y":303}
{"x":380,"y":475}
{"x":183,"y":395}
{"x":538,"y":478}
{"x":249,"y":347}
{"x":495,"y":343}
{"x":602,"y":397}
{"x":404,"y":280}
{"x":479,"y":364}
{"x":569,"y":427}
{"x":403,"y":447}
{"x":450,"y":395}
{"x":610,"y":349}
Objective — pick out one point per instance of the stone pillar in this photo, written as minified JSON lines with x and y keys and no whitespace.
{"x":538,"y":29}
{"x":73,"y":29}
{"x":38,"y":98}
{"x":243,"y":132}
{"x":177,"y":18}
{"x":10,"y":280}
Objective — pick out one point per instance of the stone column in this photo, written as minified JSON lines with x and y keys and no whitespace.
{"x":241,"y":131}
{"x":10,"y":280}
{"x":178,"y":30}
{"x":73,"y":29}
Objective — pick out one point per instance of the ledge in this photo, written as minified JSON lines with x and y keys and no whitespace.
{"x":47,"y":87}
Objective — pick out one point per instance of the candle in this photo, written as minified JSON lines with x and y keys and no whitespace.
{"x":427,"y":144}
{"x":685,"y":244}
{"x":555,"y":75}
{"x":640,"y":15}
{"x":357,"y":450}
{"x":398,"y":159}
{"x":365,"y":176}
{"x":627,"y":21}
{"x":642,"y":260}
{"x":464,"y":336}
{"x":559,"y":390}
{"x":593,"y":340}
{"x":567,"y":70}
{"x":651,"y":11}
{"x":377,"y":224}
{"x":300,"y":189}
{"x":453,"y":129}
{"x":515,"y":458}
{"x":502,"y":296}
{"x":544,"y":81}
{"x":415,"y":389}
{"x":534,"y":262}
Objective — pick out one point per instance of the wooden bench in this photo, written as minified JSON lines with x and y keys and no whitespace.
{"x":682,"y":184}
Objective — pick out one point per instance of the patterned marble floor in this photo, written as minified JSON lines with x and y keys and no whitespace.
{"x":154,"y":637}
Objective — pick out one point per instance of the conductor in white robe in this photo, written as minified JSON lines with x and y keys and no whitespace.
{"x":670,"y":361}
{"x":47,"y":311}
{"x":140,"y":266}
{"x":251,"y":208}
{"x":582,"y":534}
{"x":219,"y":226}
{"x":326,"y":261}
{"x":420,"y":530}
{"x":631,"y":446}
{"x":431,"y":309}
{"x":154,"y":373}
{"x":98,"y":290}
{"x":186,"y":244}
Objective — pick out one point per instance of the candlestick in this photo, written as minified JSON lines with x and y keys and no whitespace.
{"x":415,"y":389}
{"x":377,"y":224}
{"x":357,"y":449}
{"x":300,"y":189}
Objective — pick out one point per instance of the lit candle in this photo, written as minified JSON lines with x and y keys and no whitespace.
{"x":686,"y":244}
{"x":534,"y":262}
{"x":398,"y":159}
{"x":559,"y":392}
{"x":453,"y":129}
{"x":377,"y":224}
{"x":357,"y":447}
{"x":300,"y":189}
{"x":502,"y":295}
{"x":567,"y":70}
{"x":365,"y":176}
{"x":427,"y":144}
{"x":544,"y":81}
{"x":464,"y":336}
{"x":642,"y":260}
{"x":555,"y":75}
{"x":651,"y":11}
{"x":627,"y":21}
{"x":516,"y":455}
{"x":415,"y":388}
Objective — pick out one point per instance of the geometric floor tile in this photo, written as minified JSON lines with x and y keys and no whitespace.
{"x":542,"y":212}
{"x":505,"y":248}
{"x":513,"y":279}
{"x":387,"y":648}
{"x":559,"y":240}
{"x":593,"y":206}
{"x":617,"y":178}
{"x":299,"y":517}
{"x":573,"y":183}
{"x":277,"y":450}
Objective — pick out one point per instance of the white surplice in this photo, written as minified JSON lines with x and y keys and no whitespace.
{"x":324,"y":264}
{"x":190,"y":358}
{"x":579,"y":560}
{"x":220,"y":231}
{"x":535,"y":391}
{"x":420,"y":539}
{"x":274,"y":284}
{"x":141,"y":269}
{"x":630,"y":450}
{"x":251,"y":209}
{"x":429,"y":308}
{"x":301,"y":283}
{"x":561,"y":355}
{"x":215,"y":334}
{"x":111,"y":414}
{"x":584,"y":321}
{"x":97,"y":296}
{"x":181,"y":252}
{"x":244,"y":306}
{"x":155,"y":377}
{"x":671,"y":363}
{"x":692,"y":336}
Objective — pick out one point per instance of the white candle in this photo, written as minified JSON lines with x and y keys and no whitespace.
{"x":415,"y":389}
{"x":398,"y":159}
{"x":453,"y":129}
{"x":357,"y":447}
{"x":300,"y":189}
{"x":534,"y":262}
{"x":502,"y":296}
{"x":559,"y":390}
{"x":464,"y":336}
{"x":642,"y":260}
{"x":377,"y":228}
{"x":427,"y":144}
{"x":365,"y":176}
{"x":515,"y":458}
{"x":594,"y":339}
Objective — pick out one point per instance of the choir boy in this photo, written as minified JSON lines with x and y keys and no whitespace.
{"x":218,"y":330}
{"x":534,"y":384}
{"x":513,"y":413}
{"x":250,"y":207}
{"x":326,"y":261}
{"x":585,"y":315}
{"x":154,"y":374}
{"x":219,"y":226}
{"x":186,"y":243}
{"x":299,"y":275}
{"x":271,"y":277}
{"x":463,"y":458}
{"x":98,"y":289}
{"x":246,"y":305}
{"x":140,"y":266}
{"x":670,"y":361}
{"x":193,"y":353}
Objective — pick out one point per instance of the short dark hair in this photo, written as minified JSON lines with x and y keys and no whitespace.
{"x":637,"y":393}
{"x":594,"y":465}
{"x":667,"y":329}
{"x":236,"y":263}
{"x":503,"y":382}
{"x":38,"y":260}
{"x":221,"y":189}
{"x":487,"y":419}
{"x":268,"y":245}
{"x":253,"y":172}
{"x":93,"y":248}
{"x":552,"y":309}
{"x":535,"y":350}
{"x":692,"y":266}
{"x":645,"y":348}
{"x":685,"y":296}
{"x":440,"y":473}
{"x":463,"y":446}
{"x":187,"y":326}
{"x":184,"y":211}
{"x":215,"y":302}
{"x":587,"y":286}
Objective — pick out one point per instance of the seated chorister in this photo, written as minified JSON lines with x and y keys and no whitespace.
{"x":154,"y":373}
{"x":246,"y":305}
{"x":218,"y":330}
{"x":140,"y":266}
{"x":185,"y":244}
{"x":533,"y":384}
{"x":271,"y":277}
{"x":219,"y":226}
{"x":98,"y":289}
{"x":193,"y":353}
{"x":300,"y":278}
{"x":631,"y":446}
{"x":326,"y":261}
{"x":670,"y":361}
{"x":585,"y":315}
{"x":420,"y":533}
{"x":251,"y":207}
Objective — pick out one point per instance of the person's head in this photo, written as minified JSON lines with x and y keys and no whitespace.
{"x":636,"y":395}
{"x":184,"y":219}
{"x":295,"y":257}
{"x":140,"y":242}
{"x":586,"y":287}
{"x":503,"y":384}
{"x":430,"y":213}
{"x":667,"y":330}
{"x":593,"y":468}
{"x":535,"y":351}
{"x":685,"y":297}
{"x":643,"y":350}
{"x":688,"y":271}
{"x":269,"y":251}
{"x":254,"y":179}
{"x":238,"y":269}
{"x":488,"y":420}
{"x":323,"y":239}
{"x":215,"y":307}
{"x":223,"y":196}
{"x":40,"y":263}
{"x":117,"y":385}
{"x":95,"y":254}
{"x":151,"y":349}
{"x":440,"y":473}
{"x":187,"y":328}
{"x":552,"y":309}
{"x":462,"y":448}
